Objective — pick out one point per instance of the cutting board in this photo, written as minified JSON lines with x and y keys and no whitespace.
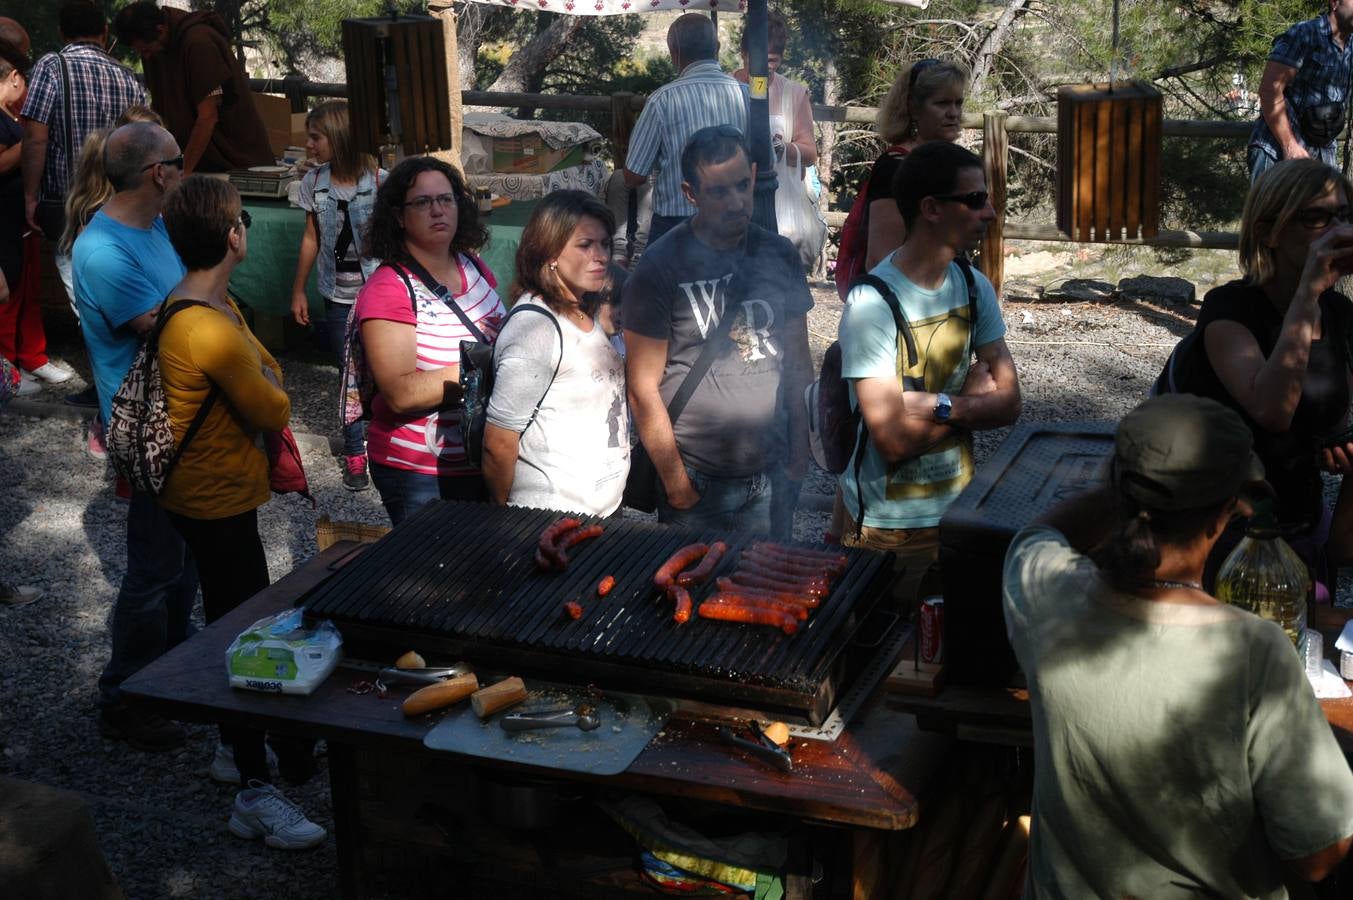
{"x":628,"y":723}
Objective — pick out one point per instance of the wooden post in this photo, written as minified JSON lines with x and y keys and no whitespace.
{"x":623,"y":117}
{"x":995,"y":159}
{"x":442,"y":9}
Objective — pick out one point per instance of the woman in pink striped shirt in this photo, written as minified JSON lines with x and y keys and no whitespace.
{"x":431,"y":294}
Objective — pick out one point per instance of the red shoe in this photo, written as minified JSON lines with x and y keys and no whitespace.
{"x":354,"y":473}
{"x":94,"y":439}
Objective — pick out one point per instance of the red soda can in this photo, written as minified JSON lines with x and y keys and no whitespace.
{"x":932,"y":630}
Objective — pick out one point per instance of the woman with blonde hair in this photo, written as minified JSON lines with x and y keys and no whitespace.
{"x":338,"y":196}
{"x":1273,"y":346}
{"x":557,"y":435}
{"x":89,"y":185}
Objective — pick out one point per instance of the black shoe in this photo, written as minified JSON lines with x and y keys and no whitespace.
{"x":88,"y":397}
{"x":141,"y":728}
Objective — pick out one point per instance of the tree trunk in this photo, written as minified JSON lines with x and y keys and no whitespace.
{"x":530,"y":61}
{"x":993,"y":43}
{"x":469,"y":27}
{"x":831,"y":96}
{"x":443,"y":10}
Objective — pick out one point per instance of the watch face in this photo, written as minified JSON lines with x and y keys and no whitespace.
{"x":943,"y":407}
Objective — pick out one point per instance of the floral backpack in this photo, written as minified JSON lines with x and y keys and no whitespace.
{"x":140,"y":436}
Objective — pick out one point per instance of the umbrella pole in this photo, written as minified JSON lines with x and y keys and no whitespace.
{"x":759,"y":120}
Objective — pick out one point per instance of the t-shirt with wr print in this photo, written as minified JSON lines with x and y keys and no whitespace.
{"x":428,"y":443}
{"x":734,"y":423}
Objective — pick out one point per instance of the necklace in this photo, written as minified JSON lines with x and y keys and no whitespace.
{"x":1163,"y":583}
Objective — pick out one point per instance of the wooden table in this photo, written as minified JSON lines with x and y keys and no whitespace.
{"x":866,"y":781}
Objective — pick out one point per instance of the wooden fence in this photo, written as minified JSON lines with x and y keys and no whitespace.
{"x":995,"y":127}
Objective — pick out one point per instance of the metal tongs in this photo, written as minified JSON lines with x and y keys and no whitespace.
{"x":763,"y":748}
{"x":392,"y":675}
{"x":584,"y":716}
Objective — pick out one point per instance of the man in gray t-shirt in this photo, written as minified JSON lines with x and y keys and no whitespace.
{"x":744,"y":427}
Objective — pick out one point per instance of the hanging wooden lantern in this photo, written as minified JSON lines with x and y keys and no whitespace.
{"x":1108,"y":161}
{"x":397,"y":84}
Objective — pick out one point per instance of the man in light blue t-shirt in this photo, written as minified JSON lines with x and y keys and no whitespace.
{"x":124,"y":267}
{"x":921,"y":400}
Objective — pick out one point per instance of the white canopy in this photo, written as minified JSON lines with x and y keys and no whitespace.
{"x":624,"y":7}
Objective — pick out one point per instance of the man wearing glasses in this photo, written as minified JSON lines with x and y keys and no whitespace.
{"x":124,"y":267}
{"x":917,"y":387}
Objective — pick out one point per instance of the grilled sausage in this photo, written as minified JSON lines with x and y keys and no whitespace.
{"x":807,"y":601}
{"x":605,"y":585}
{"x":760,"y":577}
{"x":808,"y":568}
{"x":573,"y":609}
{"x":700,"y":574}
{"x":836,"y":563}
{"x":542,"y":563}
{"x":744,"y":598}
{"x":751,"y":615}
{"x":682,"y":615}
{"x":546,"y":546}
{"x":576,"y":536}
{"x":667,"y":572}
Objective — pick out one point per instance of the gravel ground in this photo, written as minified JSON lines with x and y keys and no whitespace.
{"x":160,"y":820}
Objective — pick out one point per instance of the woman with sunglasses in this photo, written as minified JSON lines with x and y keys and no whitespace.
{"x":430,"y":294}
{"x":337,"y":197}
{"x":1274,"y":347}
{"x":210,"y":360}
{"x":924,"y":104}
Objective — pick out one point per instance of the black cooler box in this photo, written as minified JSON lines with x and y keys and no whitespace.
{"x":1038,"y":465}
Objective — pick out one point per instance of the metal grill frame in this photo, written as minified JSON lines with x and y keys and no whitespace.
{"x":492,"y":606}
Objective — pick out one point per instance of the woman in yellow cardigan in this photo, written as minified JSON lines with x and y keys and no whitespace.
{"x":209,"y":355}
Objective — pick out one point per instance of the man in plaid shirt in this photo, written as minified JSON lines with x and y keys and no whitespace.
{"x":1303,"y":96}
{"x":99,"y":89}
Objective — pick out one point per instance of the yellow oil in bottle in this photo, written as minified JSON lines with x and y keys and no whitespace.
{"x":1264,"y":575}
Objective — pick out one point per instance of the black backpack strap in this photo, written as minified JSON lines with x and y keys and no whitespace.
{"x":560,"y":332}
{"x":167,"y":311}
{"x":895,"y":307}
{"x":714,"y":343}
{"x":966,"y":268}
{"x":444,"y":295}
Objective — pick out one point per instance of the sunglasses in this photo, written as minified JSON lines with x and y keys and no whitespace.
{"x":974,"y":200}
{"x":919,"y":67}
{"x":176,"y":162}
{"x":245,"y":219}
{"x":1318,"y":218}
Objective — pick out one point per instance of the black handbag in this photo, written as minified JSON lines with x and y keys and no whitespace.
{"x":51,"y":213}
{"x":642,"y":485}
{"x":1321,"y":124}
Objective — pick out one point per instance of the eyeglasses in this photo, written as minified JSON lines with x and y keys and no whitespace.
{"x":245,"y":219}
{"x":1319,"y":217}
{"x":974,"y":200}
{"x":423,"y":202}
{"x":176,"y":162}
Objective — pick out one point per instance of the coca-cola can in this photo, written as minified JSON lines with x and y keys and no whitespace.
{"x":932,"y":630}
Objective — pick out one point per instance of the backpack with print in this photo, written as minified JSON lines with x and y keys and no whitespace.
{"x":837,"y":432}
{"x":854,"y":244}
{"x":140,"y":435}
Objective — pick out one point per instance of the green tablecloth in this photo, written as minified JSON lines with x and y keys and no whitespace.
{"x":263,"y":280}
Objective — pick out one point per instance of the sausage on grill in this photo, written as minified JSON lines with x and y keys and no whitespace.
{"x":576,"y":536}
{"x":834,"y":562}
{"x":751,"y":615}
{"x":605,"y":585}
{"x":760,"y":577}
{"x":682,"y":615}
{"x":700,"y":574}
{"x":546,"y":546}
{"x":743,"y":598}
{"x":807,"y":568}
{"x":807,"y":601}
{"x":667,"y":572}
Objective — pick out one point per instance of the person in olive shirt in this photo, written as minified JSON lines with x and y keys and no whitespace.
{"x":198,"y":86}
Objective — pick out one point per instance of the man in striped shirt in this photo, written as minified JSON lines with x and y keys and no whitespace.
{"x":701,"y":96}
{"x":99,"y":90}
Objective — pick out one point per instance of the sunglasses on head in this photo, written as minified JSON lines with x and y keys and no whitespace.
{"x":176,"y":162}
{"x":917,"y":68}
{"x":245,"y":219}
{"x":974,"y":200}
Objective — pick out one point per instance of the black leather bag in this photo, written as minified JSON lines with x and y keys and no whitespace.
{"x":51,"y":218}
{"x":1320,"y":125}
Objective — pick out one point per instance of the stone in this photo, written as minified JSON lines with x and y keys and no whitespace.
{"x":1167,"y":289}
{"x":1079,"y":290}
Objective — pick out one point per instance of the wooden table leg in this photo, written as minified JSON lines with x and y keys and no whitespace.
{"x":347,"y":821}
{"x":869,"y":869}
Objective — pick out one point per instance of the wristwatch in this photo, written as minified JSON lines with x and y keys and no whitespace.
{"x":944,"y":407}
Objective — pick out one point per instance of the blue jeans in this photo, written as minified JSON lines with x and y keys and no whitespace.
{"x":403,"y":492}
{"x":153,"y":607}
{"x":742,"y":503}
{"x":336,"y":321}
{"x":1261,"y":160}
{"x":784,"y":500}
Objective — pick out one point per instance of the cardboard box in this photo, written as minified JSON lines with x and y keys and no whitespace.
{"x":528,"y":154}
{"x":285,"y":128}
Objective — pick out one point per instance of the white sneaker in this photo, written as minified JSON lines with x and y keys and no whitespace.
{"x":28,"y":385}
{"x":223,"y":768}
{"x":51,"y":373}
{"x":261,"y":811}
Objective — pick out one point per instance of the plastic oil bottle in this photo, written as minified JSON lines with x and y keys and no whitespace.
{"x":1264,"y":575}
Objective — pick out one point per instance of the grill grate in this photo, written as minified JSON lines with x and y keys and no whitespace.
{"x":462,"y":577}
